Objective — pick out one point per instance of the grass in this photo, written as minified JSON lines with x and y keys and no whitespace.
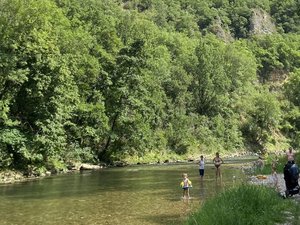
{"x":244,"y":205}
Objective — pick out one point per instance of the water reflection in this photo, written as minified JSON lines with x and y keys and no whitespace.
{"x":145,"y":195}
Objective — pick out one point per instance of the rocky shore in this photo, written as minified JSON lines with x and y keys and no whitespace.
{"x":13,"y":176}
{"x":270,"y":181}
{"x":277,"y":183}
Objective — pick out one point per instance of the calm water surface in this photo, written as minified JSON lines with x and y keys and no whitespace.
{"x":138,"y":195}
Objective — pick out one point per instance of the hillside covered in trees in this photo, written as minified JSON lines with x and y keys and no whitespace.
{"x":106,"y":80}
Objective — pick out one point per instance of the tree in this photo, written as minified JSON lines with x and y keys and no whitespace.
{"x":210,"y":81}
{"x":264,"y":117}
{"x":286,"y":14}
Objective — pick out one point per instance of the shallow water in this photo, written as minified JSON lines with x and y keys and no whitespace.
{"x":137,"y":195}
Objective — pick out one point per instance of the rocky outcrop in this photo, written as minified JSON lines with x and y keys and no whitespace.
{"x":261,"y":23}
{"x":85,"y":166}
{"x":10,"y":176}
{"x":221,"y":31}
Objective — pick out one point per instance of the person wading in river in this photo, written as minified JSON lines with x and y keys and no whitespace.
{"x":201,"y":167}
{"x":217,"y":162}
{"x":186,"y":184}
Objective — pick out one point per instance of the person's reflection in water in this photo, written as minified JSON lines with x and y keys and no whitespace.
{"x":218,"y":186}
{"x":202,"y":189}
{"x":185,"y":208}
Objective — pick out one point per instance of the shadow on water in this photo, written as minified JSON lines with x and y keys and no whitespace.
{"x":145,"y":195}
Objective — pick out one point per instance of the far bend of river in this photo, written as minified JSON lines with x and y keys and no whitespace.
{"x":135,"y":195}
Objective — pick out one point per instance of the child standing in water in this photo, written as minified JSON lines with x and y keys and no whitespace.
{"x":201,"y":167}
{"x":186,"y":184}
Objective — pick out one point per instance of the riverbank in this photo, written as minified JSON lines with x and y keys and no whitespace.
{"x":259,"y":201}
{"x":11,"y":176}
{"x":14,"y":176}
{"x":270,"y":182}
{"x":280,"y":187}
{"x":261,"y":183}
{"x":245,"y":204}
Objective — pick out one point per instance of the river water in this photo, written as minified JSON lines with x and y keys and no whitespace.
{"x":135,"y":195}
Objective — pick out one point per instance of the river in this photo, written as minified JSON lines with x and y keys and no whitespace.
{"x":135,"y":195}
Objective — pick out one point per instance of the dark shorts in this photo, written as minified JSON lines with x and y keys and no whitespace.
{"x":217,"y":165}
{"x":201,"y":172}
{"x":185,"y":188}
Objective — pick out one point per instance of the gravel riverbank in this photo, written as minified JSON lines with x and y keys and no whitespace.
{"x":270,"y":181}
{"x":11,"y":176}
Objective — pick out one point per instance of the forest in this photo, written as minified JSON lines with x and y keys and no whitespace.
{"x":146,"y":80}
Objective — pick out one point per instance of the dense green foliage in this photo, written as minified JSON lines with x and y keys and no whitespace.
{"x":142,"y":80}
{"x":246,"y":204}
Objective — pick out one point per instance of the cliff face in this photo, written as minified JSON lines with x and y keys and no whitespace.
{"x":261,"y":23}
{"x":221,"y":30}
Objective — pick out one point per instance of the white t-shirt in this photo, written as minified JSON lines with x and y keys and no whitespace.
{"x":201,"y":164}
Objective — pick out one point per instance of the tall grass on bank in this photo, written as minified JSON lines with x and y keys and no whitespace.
{"x":243,"y":205}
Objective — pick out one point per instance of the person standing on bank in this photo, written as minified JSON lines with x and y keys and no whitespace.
{"x":201,"y":167}
{"x":217,"y":162}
